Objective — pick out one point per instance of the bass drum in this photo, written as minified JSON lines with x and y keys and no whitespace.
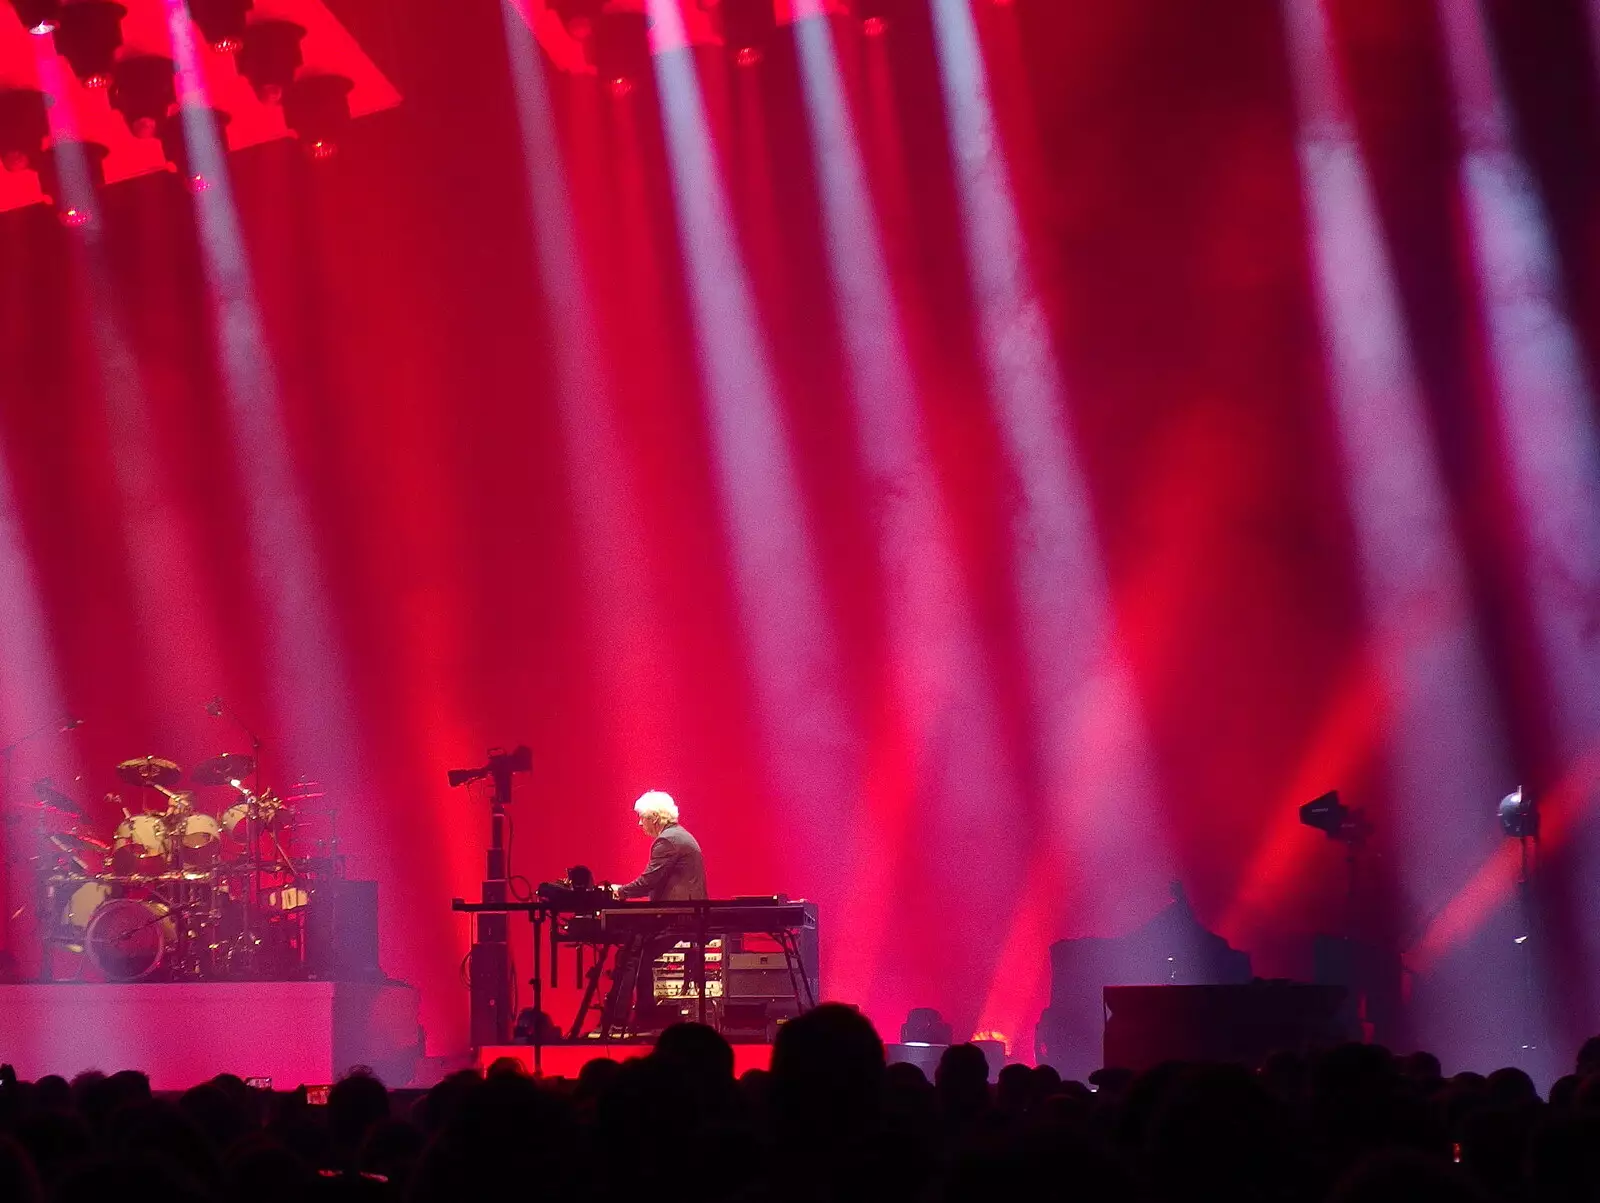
{"x":139,"y":846}
{"x":128,"y":937}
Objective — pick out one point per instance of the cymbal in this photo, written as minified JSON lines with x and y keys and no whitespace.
{"x":50,"y":796}
{"x":223,"y":770}
{"x":149,"y":770}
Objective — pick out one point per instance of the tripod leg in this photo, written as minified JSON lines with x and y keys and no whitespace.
{"x":593,"y":988}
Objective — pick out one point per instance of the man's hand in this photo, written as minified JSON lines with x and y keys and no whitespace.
{"x":616,"y":893}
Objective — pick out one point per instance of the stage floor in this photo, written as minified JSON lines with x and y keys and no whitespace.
{"x":565,"y":1060}
{"x":184,"y":1033}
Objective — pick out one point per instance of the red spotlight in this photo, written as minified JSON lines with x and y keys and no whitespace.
{"x":317,"y":109}
{"x":92,"y":156}
{"x":89,"y":37}
{"x":175,"y":145}
{"x":875,"y":27}
{"x":270,"y":57}
{"x":747,"y":26}
{"x":620,"y":49}
{"x":579,"y":16}
{"x":144,"y":91}
{"x":24,"y":127}
{"x":221,"y":22}
{"x":39,"y":17}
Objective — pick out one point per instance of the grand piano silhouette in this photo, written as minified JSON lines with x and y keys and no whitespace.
{"x":1171,"y":990}
{"x":1171,"y":949}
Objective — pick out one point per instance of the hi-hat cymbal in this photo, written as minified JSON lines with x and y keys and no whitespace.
{"x":149,"y":770}
{"x":50,"y":796}
{"x":224,"y":769}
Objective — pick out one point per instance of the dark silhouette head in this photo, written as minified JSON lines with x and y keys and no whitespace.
{"x":827,"y":1072}
{"x":1589,"y":1057}
{"x":1511,"y":1087}
{"x":698,"y":1051}
{"x":356,"y":1102}
{"x":962,"y":1081}
{"x":1403,"y":1176}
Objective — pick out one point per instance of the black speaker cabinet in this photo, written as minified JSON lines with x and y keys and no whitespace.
{"x":342,"y":931}
{"x":1146,"y":1025}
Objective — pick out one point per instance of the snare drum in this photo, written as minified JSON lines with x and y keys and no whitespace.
{"x":139,"y":846}
{"x":128,"y":937}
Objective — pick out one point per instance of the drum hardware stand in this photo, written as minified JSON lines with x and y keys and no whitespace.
{"x":216,"y":708}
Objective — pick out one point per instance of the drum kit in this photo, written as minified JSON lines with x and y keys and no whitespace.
{"x":183,"y":890}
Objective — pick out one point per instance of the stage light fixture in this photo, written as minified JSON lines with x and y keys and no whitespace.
{"x":38,"y":17}
{"x":221,"y":22}
{"x":89,"y":38}
{"x":874,"y":16}
{"x":24,"y":127}
{"x":270,"y":57}
{"x":620,"y":50}
{"x":747,"y":29}
{"x":925,"y":1026}
{"x":1519,"y":815}
{"x":317,"y":109}
{"x":78,"y":211}
{"x":175,"y":145}
{"x":1334,"y":819}
{"x":579,"y":16}
{"x":144,"y":90}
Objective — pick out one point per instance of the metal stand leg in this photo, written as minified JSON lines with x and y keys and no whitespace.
{"x":624,"y":986}
{"x":593,"y":988}
{"x":790,"y":944}
{"x":537,"y":919}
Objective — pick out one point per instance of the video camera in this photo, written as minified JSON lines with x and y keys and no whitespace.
{"x":501,"y":765}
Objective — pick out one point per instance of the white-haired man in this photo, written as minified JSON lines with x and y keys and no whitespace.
{"x":677,"y":870}
{"x":676,"y":873}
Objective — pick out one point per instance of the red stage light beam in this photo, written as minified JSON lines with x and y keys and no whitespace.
{"x":1101,"y":788}
{"x":1444,"y":739}
{"x":310,"y":691}
{"x":937,"y":660}
{"x":808,"y":742}
{"x":618,"y":593}
{"x":1544,"y":407}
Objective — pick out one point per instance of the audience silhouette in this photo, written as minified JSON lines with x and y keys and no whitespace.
{"x":831,"y":1121}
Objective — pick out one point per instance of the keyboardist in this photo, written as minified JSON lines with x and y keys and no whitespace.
{"x":676,"y":873}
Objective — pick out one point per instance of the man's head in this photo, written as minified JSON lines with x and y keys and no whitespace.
{"x":657,"y":811}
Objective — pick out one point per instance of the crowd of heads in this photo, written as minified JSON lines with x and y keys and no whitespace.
{"x":831,"y":1120}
